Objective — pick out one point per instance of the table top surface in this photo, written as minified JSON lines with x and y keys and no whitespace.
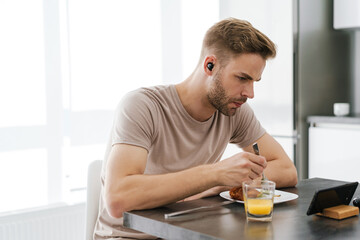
{"x":229,"y":222}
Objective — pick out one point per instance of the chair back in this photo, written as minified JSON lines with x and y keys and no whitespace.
{"x":92,"y":197}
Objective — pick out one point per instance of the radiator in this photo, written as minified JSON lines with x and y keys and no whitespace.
{"x":61,"y":222}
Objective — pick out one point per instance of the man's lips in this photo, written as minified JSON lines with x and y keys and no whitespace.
{"x":238,"y":104}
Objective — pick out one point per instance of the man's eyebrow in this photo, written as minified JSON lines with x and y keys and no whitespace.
{"x":248,"y":76}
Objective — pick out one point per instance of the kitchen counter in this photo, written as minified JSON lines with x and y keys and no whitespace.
{"x":314,"y":120}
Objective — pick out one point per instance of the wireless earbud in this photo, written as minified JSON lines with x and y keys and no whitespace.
{"x":210,"y":66}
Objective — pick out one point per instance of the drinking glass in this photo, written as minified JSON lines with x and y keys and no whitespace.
{"x":259,"y":200}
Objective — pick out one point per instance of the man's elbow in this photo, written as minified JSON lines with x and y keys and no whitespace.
{"x":288,"y":178}
{"x":293,"y":178}
{"x":116,"y":205}
{"x":293,"y":181}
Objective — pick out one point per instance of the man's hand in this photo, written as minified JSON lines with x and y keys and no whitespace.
{"x":280,"y":168}
{"x":240,"y":167}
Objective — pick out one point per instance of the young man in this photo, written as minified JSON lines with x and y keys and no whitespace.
{"x":167,"y":141}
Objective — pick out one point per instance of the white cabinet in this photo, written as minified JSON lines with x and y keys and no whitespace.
{"x":346,"y":14}
{"x":334,"y":151}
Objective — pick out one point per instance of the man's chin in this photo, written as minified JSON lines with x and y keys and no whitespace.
{"x":230,"y":112}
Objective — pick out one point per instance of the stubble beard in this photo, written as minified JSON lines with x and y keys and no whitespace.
{"x":218,"y":98}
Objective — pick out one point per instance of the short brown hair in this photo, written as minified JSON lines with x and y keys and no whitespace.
{"x":232,"y":36}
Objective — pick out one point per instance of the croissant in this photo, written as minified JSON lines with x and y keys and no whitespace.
{"x":237,"y":193}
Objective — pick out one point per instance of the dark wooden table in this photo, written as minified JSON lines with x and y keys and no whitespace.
{"x":229,"y":222}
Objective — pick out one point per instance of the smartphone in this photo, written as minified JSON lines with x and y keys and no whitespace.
{"x":330,"y":197}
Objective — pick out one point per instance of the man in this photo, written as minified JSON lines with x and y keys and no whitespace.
{"x":167,"y":141}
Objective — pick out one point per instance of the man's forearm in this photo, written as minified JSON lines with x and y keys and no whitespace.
{"x":149,"y":191}
{"x":210,"y":192}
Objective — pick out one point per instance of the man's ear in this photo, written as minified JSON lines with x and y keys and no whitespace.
{"x":209,"y":64}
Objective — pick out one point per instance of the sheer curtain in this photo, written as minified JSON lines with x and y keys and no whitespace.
{"x":23,"y":154}
{"x":64,"y":66}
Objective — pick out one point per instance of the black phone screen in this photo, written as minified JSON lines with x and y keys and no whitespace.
{"x":331,"y":197}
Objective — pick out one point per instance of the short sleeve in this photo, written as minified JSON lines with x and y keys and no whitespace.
{"x":134,"y":120}
{"x":246,"y":127}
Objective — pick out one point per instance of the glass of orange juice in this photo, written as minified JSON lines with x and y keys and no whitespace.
{"x":259,"y":200}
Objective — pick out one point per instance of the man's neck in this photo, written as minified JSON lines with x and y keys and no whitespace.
{"x":192,"y":94}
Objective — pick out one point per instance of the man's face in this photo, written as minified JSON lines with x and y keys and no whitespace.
{"x":233,"y":84}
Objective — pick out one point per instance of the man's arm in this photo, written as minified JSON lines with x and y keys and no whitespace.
{"x":127,"y":188}
{"x":280,"y":168}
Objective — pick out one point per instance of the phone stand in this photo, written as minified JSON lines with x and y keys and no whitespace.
{"x":339,"y":212}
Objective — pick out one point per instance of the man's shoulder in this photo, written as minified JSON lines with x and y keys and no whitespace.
{"x":148,"y":97}
{"x":152,"y":92}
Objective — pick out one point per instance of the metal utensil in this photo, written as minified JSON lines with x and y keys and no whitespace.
{"x":169,"y":215}
{"x":257,"y":152}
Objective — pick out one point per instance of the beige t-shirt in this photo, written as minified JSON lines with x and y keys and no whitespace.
{"x":155,"y":119}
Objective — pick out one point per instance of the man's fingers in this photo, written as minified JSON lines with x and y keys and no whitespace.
{"x":257,"y":168}
{"x":259,"y":160}
{"x":253,"y":175}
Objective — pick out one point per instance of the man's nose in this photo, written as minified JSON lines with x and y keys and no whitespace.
{"x":248,"y":90}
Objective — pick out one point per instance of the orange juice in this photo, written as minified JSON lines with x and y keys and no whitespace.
{"x":259,"y":206}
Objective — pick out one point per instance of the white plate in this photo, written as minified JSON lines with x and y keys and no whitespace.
{"x":284,"y":196}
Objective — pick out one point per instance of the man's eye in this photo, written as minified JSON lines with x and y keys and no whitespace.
{"x":242,"y":78}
